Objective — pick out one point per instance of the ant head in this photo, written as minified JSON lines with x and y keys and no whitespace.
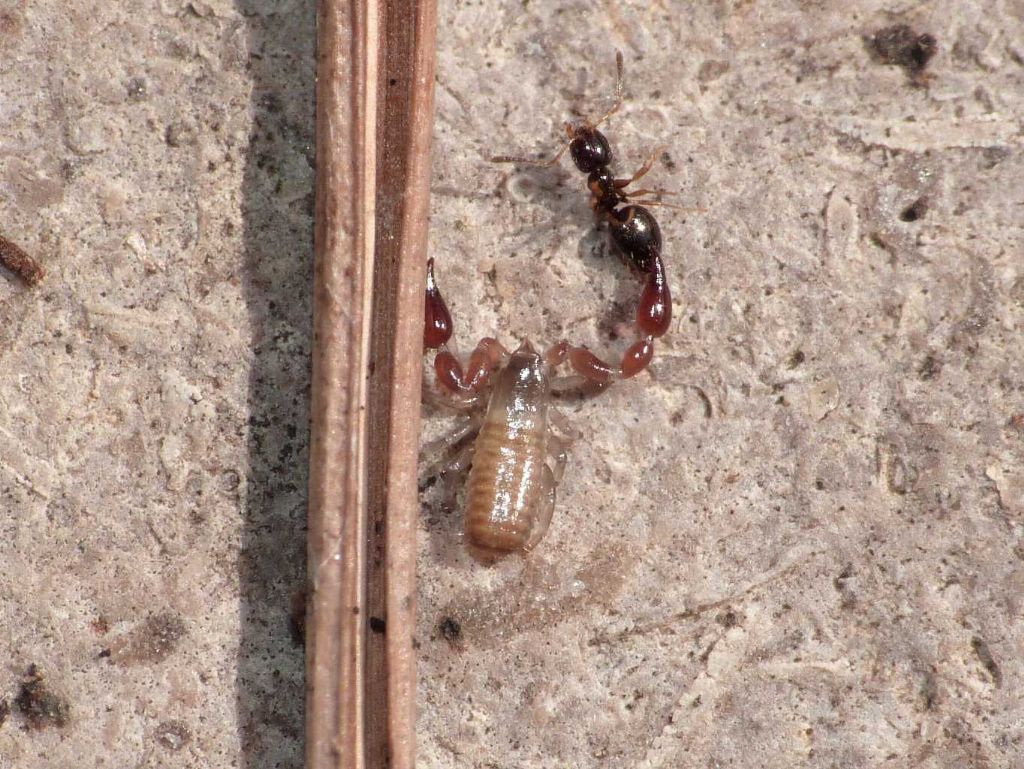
{"x":588,"y":147}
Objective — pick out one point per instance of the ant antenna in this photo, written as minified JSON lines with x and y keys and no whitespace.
{"x":618,"y":90}
{"x":530,"y":161}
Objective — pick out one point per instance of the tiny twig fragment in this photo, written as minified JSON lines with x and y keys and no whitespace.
{"x":14,"y":258}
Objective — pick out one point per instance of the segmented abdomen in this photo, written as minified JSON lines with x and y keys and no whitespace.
{"x":504,"y":485}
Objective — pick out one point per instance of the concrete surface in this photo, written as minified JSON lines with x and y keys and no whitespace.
{"x":821,"y":564}
{"x":157,"y":158}
{"x":824,"y":570}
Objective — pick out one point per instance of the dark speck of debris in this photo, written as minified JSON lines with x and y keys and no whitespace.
{"x":10,"y":25}
{"x":173,"y":735}
{"x":270,"y":102}
{"x":901,"y":46}
{"x":21,"y":264}
{"x":152,"y":641}
{"x":377,"y":625}
{"x":40,"y":706}
{"x":797,"y":358}
{"x":297,"y":618}
{"x":930,"y":368}
{"x":985,"y":656}
{"x":927,"y":692}
{"x":727,"y":619}
{"x":5,"y":710}
{"x":915,"y":210}
{"x":451,"y":631}
{"x":844,"y":575}
{"x":136,"y":89}
{"x":178,"y":134}
{"x":841,"y":583}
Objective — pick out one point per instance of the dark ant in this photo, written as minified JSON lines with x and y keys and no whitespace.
{"x":633,"y":228}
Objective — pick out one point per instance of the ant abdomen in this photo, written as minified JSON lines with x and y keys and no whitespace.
{"x":636,"y":234}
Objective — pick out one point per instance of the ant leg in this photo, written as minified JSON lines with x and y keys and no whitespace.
{"x":618,"y":91}
{"x":642,"y":171}
{"x":657,"y":202}
{"x":657,"y":192}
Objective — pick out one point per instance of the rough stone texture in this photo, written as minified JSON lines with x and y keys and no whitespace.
{"x":826,"y":571}
{"x":797,"y":541}
{"x":157,"y":158}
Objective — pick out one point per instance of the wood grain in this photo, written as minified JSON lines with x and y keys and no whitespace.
{"x":374,"y":119}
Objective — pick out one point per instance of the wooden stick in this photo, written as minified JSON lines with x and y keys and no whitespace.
{"x":346,"y":169}
{"x":405,"y":129}
{"x":375,"y":105}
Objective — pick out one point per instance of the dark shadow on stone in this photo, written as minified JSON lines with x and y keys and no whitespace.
{"x":277,"y":211}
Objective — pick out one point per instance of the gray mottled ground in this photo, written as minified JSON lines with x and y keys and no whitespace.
{"x":157,"y":157}
{"x":797,"y":541}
